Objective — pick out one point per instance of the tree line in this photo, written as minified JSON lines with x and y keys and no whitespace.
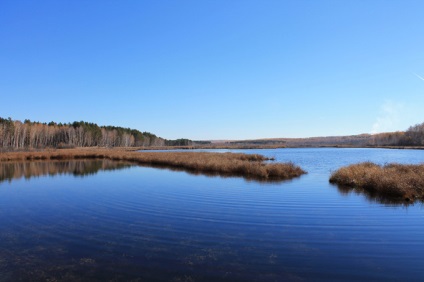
{"x":15,"y":134}
{"x":413,"y":136}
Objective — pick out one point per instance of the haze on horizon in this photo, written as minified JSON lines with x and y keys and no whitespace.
{"x":209,"y":70}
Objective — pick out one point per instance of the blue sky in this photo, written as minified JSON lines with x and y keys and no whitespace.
{"x":215,"y":69}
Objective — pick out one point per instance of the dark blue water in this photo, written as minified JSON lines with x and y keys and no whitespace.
{"x":146,"y":224}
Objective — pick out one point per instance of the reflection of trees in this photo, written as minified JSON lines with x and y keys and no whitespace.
{"x":16,"y":170}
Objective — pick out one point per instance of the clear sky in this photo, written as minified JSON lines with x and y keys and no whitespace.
{"x":215,"y":69}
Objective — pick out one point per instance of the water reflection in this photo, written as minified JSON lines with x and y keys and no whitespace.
{"x":15,"y":170}
{"x":212,"y":174}
{"x":144,"y":224}
{"x":374,"y":197}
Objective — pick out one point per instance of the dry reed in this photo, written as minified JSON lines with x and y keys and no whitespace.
{"x":390,"y":180}
{"x":228,"y":164}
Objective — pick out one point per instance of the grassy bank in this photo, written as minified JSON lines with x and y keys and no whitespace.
{"x":392,"y":180}
{"x":228,"y":164}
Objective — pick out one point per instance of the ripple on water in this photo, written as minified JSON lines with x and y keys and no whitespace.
{"x":157,"y":224}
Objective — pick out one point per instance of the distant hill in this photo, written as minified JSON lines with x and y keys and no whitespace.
{"x":413,"y":136}
{"x":15,"y":135}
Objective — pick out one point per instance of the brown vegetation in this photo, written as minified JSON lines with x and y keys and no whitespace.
{"x":229,"y":164}
{"x":391,"y":180}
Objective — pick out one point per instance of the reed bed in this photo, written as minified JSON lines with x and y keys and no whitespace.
{"x":390,"y":180}
{"x":229,"y":164}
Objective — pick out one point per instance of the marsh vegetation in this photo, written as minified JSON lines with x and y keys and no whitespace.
{"x":252,"y":166}
{"x":397,"y":181}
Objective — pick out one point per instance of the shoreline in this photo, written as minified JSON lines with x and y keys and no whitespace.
{"x":229,"y":147}
{"x":208,"y":147}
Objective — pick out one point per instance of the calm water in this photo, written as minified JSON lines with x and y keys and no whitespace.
{"x":85,"y":221}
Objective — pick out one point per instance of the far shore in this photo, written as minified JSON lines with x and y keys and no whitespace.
{"x":258,"y":147}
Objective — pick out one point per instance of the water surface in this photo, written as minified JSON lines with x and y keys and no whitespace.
{"x":126,"y":223}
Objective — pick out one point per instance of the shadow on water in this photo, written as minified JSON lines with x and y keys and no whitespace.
{"x":16,"y":170}
{"x":248,"y":178}
{"x":374,"y":197}
{"x":10,"y":171}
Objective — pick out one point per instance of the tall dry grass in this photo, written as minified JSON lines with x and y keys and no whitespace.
{"x":229,"y":164}
{"x":390,"y":180}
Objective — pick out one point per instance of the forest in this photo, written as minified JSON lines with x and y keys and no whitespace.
{"x":413,"y":136}
{"x":15,"y":134}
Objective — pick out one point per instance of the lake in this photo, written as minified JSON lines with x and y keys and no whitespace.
{"x":112,"y":221}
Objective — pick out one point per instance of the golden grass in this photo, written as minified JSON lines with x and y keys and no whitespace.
{"x":391,"y":180}
{"x":226,"y":164}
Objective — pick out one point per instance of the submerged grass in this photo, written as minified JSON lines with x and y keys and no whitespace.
{"x":228,"y":164}
{"x":391,"y":180}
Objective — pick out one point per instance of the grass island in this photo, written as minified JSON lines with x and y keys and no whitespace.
{"x":395,"y":181}
{"x":249,"y":166}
